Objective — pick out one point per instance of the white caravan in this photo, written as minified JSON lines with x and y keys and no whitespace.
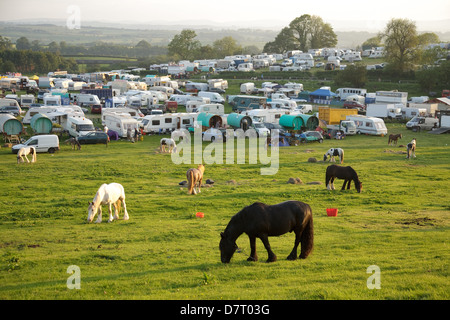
{"x":160,"y":123}
{"x":53,"y":112}
{"x":368,"y":125}
{"x":266,"y":115}
{"x":215,"y":108}
{"x":120,"y":123}
{"x":213,"y":96}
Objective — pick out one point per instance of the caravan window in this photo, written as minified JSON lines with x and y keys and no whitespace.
{"x":369,"y":124}
{"x":168,"y":120}
{"x":186,"y":121}
{"x":155,"y":122}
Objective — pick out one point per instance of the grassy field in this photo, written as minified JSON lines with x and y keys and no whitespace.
{"x":399,"y":223}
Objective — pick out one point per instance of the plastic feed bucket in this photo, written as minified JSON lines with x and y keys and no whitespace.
{"x":200,"y":215}
{"x":332,"y":212}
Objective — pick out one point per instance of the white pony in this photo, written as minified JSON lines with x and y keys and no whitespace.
{"x":110,"y":194}
{"x":23,"y":152}
{"x":334,"y":152}
{"x":170,"y":143}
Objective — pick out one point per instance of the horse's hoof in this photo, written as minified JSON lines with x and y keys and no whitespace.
{"x":252,"y":259}
{"x":292,"y":257}
{"x":273,"y":259}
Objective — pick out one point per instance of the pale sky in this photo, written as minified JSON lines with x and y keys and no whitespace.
{"x":347,"y":13}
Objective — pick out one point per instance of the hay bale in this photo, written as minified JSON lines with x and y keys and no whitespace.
{"x":314,"y":182}
{"x":313,"y":160}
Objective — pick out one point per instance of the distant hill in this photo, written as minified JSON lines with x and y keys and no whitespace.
{"x":158,"y":35}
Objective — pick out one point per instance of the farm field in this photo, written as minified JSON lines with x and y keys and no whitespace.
{"x":399,"y":223}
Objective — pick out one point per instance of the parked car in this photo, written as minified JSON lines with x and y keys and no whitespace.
{"x":213,"y":134}
{"x":14,"y":110}
{"x":94,"y":137}
{"x":354,"y":105}
{"x":272,"y":126}
{"x":96,"y":108}
{"x":310,"y":136}
{"x":320,"y":65}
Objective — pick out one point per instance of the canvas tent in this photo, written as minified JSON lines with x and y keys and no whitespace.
{"x":322,"y":96}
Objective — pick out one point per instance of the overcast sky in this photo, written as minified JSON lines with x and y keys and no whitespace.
{"x":370,"y":14}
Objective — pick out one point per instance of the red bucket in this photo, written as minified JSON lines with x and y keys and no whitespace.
{"x":200,"y":215}
{"x":332,"y":212}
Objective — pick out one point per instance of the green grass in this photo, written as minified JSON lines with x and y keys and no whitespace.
{"x":399,"y":223}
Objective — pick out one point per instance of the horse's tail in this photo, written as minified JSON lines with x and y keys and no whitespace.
{"x":190,"y":177}
{"x":34,"y":154}
{"x":342,"y":156}
{"x":307,"y":237}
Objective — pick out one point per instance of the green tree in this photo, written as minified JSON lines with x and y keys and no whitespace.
{"x":400,"y":44}
{"x":23,"y":44}
{"x":372,"y":43}
{"x":227,"y":46}
{"x":184,"y":46}
{"x":355,"y":74}
{"x":303,"y":33}
{"x":5,"y":43}
{"x":283,"y":42}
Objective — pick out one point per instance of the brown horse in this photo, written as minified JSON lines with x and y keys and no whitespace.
{"x":393,"y":138}
{"x":195,"y":178}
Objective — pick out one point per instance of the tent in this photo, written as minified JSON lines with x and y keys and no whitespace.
{"x":322,"y":96}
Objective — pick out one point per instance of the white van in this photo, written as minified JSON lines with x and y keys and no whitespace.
{"x":368,"y":125}
{"x":79,"y":126}
{"x":213,"y":96}
{"x":43,"y":143}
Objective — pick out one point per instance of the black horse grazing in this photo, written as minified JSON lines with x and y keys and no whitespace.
{"x":260,"y":220}
{"x":346,"y":173}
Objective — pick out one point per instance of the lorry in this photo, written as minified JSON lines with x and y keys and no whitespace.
{"x":335,"y":115}
{"x":384,"y":111}
{"x":368,"y":125}
{"x":343,"y":93}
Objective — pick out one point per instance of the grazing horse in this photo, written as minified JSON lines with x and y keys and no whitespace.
{"x":23,"y":152}
{"x":346,"y":173}
{"x":393,"y":138}
{"x":110,"y":194}
{"x":170,"y":143}
{"x":261,"y":221}
{"x":334,"y":152}
{"x":411,"y":149}
{"x":74,"y":143}
{"x":195,"y":178}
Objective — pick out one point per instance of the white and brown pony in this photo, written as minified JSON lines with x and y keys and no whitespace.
{"x":411,"y":149}
{"x":108,"y":194}
{"x":393,"y":138}
{"x":195,"y":178}
{"x":23,"y":152}
{"x":334,"y":152}
{"x":169,"y":143}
